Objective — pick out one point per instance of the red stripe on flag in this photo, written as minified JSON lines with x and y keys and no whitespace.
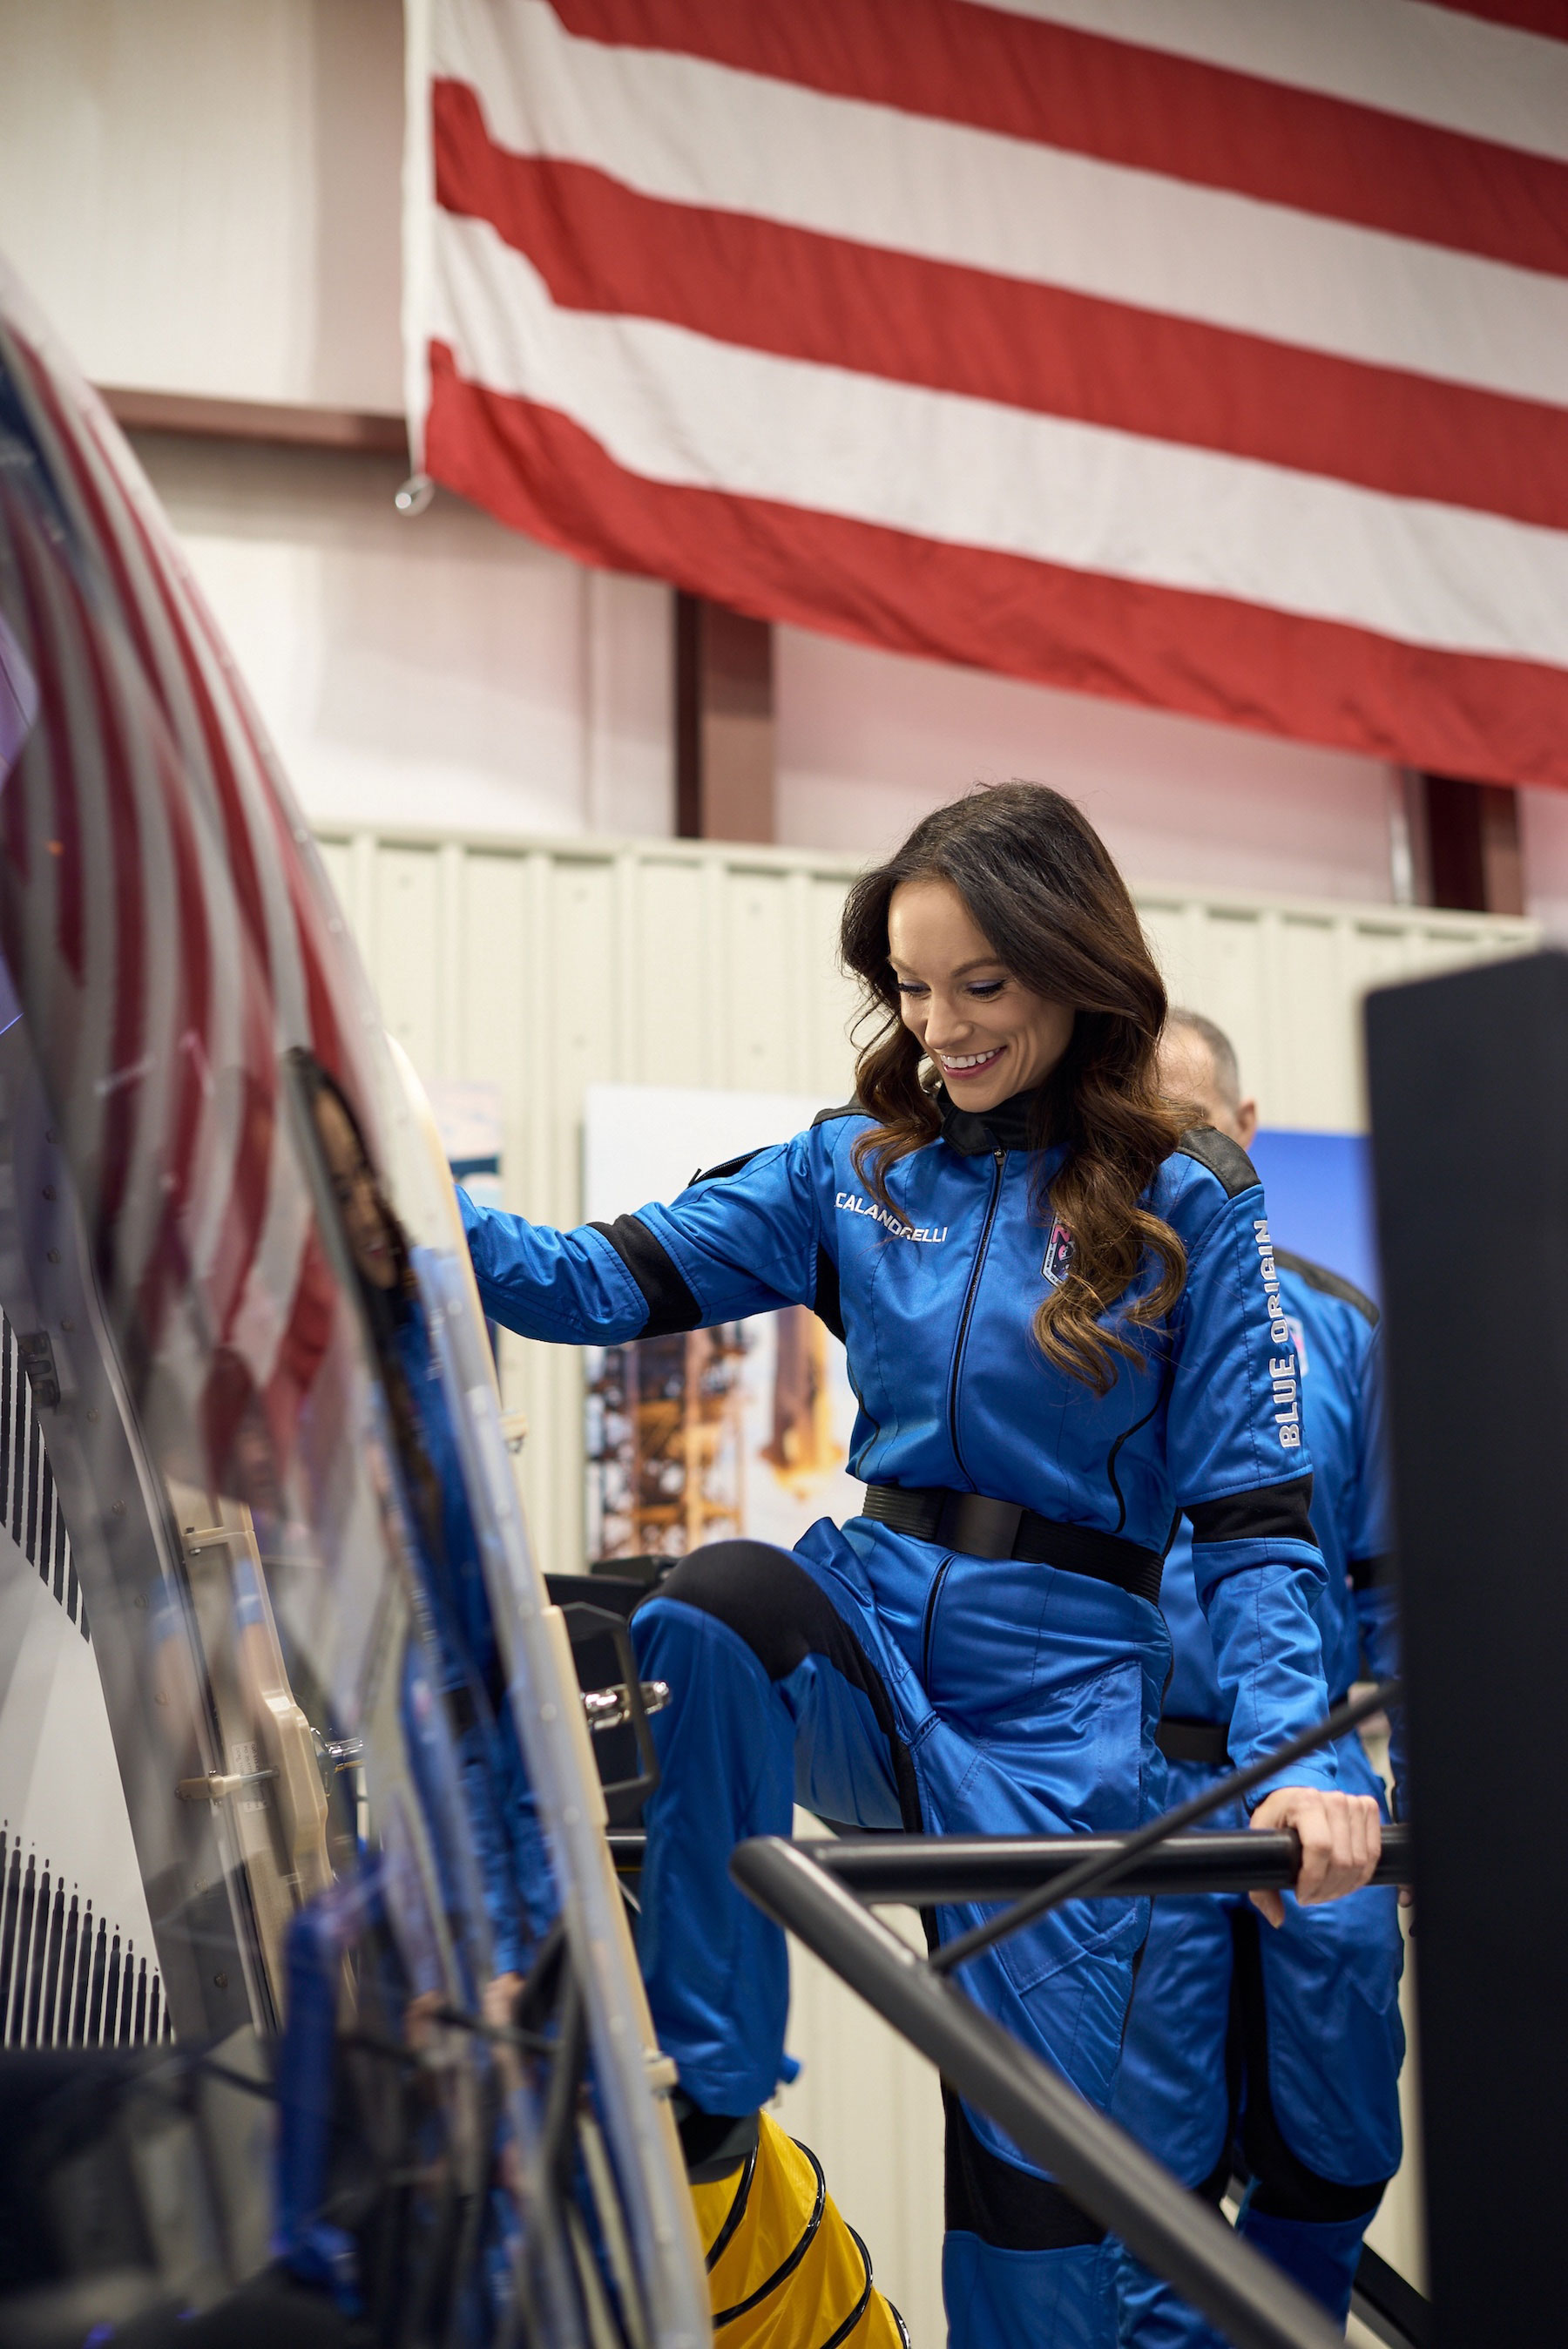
{"x":109,"y":512}
{"x":1549,"y":17}
{"x":243,"y":1221}
{"x":66,"y":427}
{"x":1144,"y":109}
{"x":1503,"y":720}
{"x":601,"y":246}
{"x":191,"y":1042}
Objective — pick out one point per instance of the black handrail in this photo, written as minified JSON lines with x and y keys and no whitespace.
{"x":1104,"y":2170}
{"x":923,"y":1870}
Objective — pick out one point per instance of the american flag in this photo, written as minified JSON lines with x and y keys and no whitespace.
{"x":1211,"y":354}
{"x":165,"y":922}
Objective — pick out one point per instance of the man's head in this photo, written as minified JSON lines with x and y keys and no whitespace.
{"x":1198,"y":1067}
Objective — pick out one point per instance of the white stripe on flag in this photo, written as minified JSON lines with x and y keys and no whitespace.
{"x":679,"y":407}
{"x":690,"y":131}
{"x":1431,"y":65}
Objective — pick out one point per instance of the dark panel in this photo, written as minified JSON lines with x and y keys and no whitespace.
{"x":688,"y":716}
{"x":724,"y":722}
{"x":1468,"y":1080}
{"x":1471,"y":848}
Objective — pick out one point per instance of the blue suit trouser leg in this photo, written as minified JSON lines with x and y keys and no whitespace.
{"x":1311,"y":2108}
{"x":1319,"y":2254}
{"x":781,"y":1682}
{"x":715,"y":1967}
{"x":770,"y":1696}
{"x":1000,"y":2299}
{"x":1173,"y":2094}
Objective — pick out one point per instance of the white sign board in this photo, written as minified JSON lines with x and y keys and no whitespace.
{"x":644,"y":1143}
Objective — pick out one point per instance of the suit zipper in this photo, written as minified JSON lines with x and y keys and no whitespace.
{"x":930,"y":1623}
{"x":1001,"y":1159}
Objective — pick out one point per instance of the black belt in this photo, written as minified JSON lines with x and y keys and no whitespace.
{"x":1194,"y":1741}
{"x":977,"y":1526}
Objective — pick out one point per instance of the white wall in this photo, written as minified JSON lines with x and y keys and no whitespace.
{"x":437,"y":669}
{"x":203,"y":194}
{"x":869,"y":740}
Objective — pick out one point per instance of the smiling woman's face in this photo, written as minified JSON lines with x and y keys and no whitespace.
{"x":989,"y":1035}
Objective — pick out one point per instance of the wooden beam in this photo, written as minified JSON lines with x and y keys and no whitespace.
{"x":352,"y":431}
{"x":724,"y":722}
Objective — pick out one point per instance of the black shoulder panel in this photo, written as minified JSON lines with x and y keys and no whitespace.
{"x":845,"y":1108}
{"x":671,"y":1305}
{"x":730,"y":1167}
{"x":1268,"y":1513}
{"x":1331,"y":1284}
{"x":1225,"y":1159}
{"x":827,"y":1308}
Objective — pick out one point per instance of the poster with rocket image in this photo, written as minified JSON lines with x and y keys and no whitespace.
{"x":740,"y":1430}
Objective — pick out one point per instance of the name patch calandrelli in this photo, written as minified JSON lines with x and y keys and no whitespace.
{"x":1281,"y":1366}
{"x":850,"y":1203}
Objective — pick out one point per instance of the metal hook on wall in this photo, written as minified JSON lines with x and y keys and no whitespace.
{"x":415,"y":494}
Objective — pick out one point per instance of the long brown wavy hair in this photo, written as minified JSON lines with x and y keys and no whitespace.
{"x":1040,"y":886}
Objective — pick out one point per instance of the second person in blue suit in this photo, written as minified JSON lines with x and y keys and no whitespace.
{"x":1276,"y":2053}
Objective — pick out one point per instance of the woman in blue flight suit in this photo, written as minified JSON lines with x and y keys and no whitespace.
{"x":1059,"y":1335}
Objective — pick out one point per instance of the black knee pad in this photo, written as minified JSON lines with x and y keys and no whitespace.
{"x":762,"y":1595}
{"x":1288,"y":2190}
{"x":1283,"y":2187}
{"x":771,"y":1603}
{"x":1009,"y":2207}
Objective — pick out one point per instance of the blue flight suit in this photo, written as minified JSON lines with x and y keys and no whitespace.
{"x":1308,"y":2015}
{"x":880,"y":1678}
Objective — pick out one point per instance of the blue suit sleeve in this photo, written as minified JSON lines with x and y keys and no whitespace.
{"x":1368,"y":1549}
{"x":747,"y":1241}
{"x":571,"y":1288}
{"x":1240,"y":1467}
{"x":742,"y":1242}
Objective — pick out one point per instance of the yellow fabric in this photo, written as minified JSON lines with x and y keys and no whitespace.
{"x":806,"y":2308}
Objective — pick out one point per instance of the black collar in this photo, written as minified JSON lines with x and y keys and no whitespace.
{"x":974,"y":1134}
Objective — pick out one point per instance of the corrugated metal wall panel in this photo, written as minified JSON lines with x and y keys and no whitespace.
{"x":544,"y":966}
